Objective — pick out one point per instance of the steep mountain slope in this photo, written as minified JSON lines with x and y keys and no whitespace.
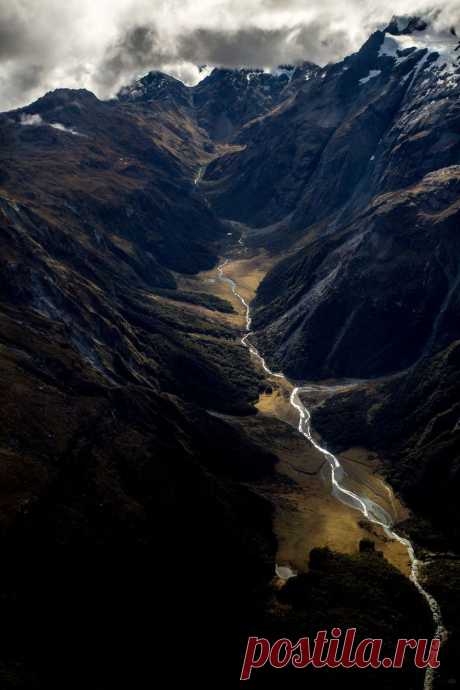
{"x":354,"y":129}
{"x":107,"y":371}
{"x":412,"y":421}
{"x":109,"y":461}
{"x":227,"y":99}
{"x":95,"y":223}
{"x":369,"y":286}
{"x":109,"y":163}
{"x":373,"y":296}
{"x":375,"y":283}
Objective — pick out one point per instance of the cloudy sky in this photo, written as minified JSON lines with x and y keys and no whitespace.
{"x":103,"y":44}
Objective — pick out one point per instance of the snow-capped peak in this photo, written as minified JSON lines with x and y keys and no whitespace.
{"x":414,"y":33}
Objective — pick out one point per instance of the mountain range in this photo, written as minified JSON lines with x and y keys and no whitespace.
{"x":127,"y":486}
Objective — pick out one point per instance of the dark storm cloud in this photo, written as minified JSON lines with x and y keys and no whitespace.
{"x":13,"y":33}
{"x":28,"y":49}
{"x":264,"y":47}
{"x":138,"y":49}
{"x":141,"y":48}
{"x":255,"y":47}
{"x":27,"y":77}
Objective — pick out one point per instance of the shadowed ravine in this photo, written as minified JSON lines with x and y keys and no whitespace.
{"x":369,"y":509}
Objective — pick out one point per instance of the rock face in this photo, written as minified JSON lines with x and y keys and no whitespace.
{"x":375,"y":122}
{"x":226,"y":100}
{"x":374,"y":283}
{"x":229,"y":99}
{"x":373,"y":296}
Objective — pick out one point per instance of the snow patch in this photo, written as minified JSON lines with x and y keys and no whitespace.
{"x":392,"y":45}
{"x":444,"y":43}
{"x":441,"y":59}
{"x":251,"y":75}
{"x":63,"y":128}
{"x":372,"y":74}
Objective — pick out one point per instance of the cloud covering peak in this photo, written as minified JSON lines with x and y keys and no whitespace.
{"x":103,"y":45}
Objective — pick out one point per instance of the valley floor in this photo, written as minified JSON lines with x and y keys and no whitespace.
{"x":306,"y":514}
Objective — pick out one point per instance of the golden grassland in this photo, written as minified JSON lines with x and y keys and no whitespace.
{"x":306,"y":515}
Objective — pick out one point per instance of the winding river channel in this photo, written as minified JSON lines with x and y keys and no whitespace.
{"x":368,"y":508}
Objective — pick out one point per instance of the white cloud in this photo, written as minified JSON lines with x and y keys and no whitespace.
{"x":35,"y":120}
{"x":31,"y":120}
{"x":100,"y":45}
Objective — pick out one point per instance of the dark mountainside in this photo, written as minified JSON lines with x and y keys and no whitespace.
{"x":128,"y":510}
{"x":369,"y":285}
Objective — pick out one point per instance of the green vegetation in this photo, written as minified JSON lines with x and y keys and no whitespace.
{"x":201,"y":299}
{"x":360,"y":591}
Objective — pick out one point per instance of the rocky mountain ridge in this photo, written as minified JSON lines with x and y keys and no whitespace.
{"x":226,"y":99}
